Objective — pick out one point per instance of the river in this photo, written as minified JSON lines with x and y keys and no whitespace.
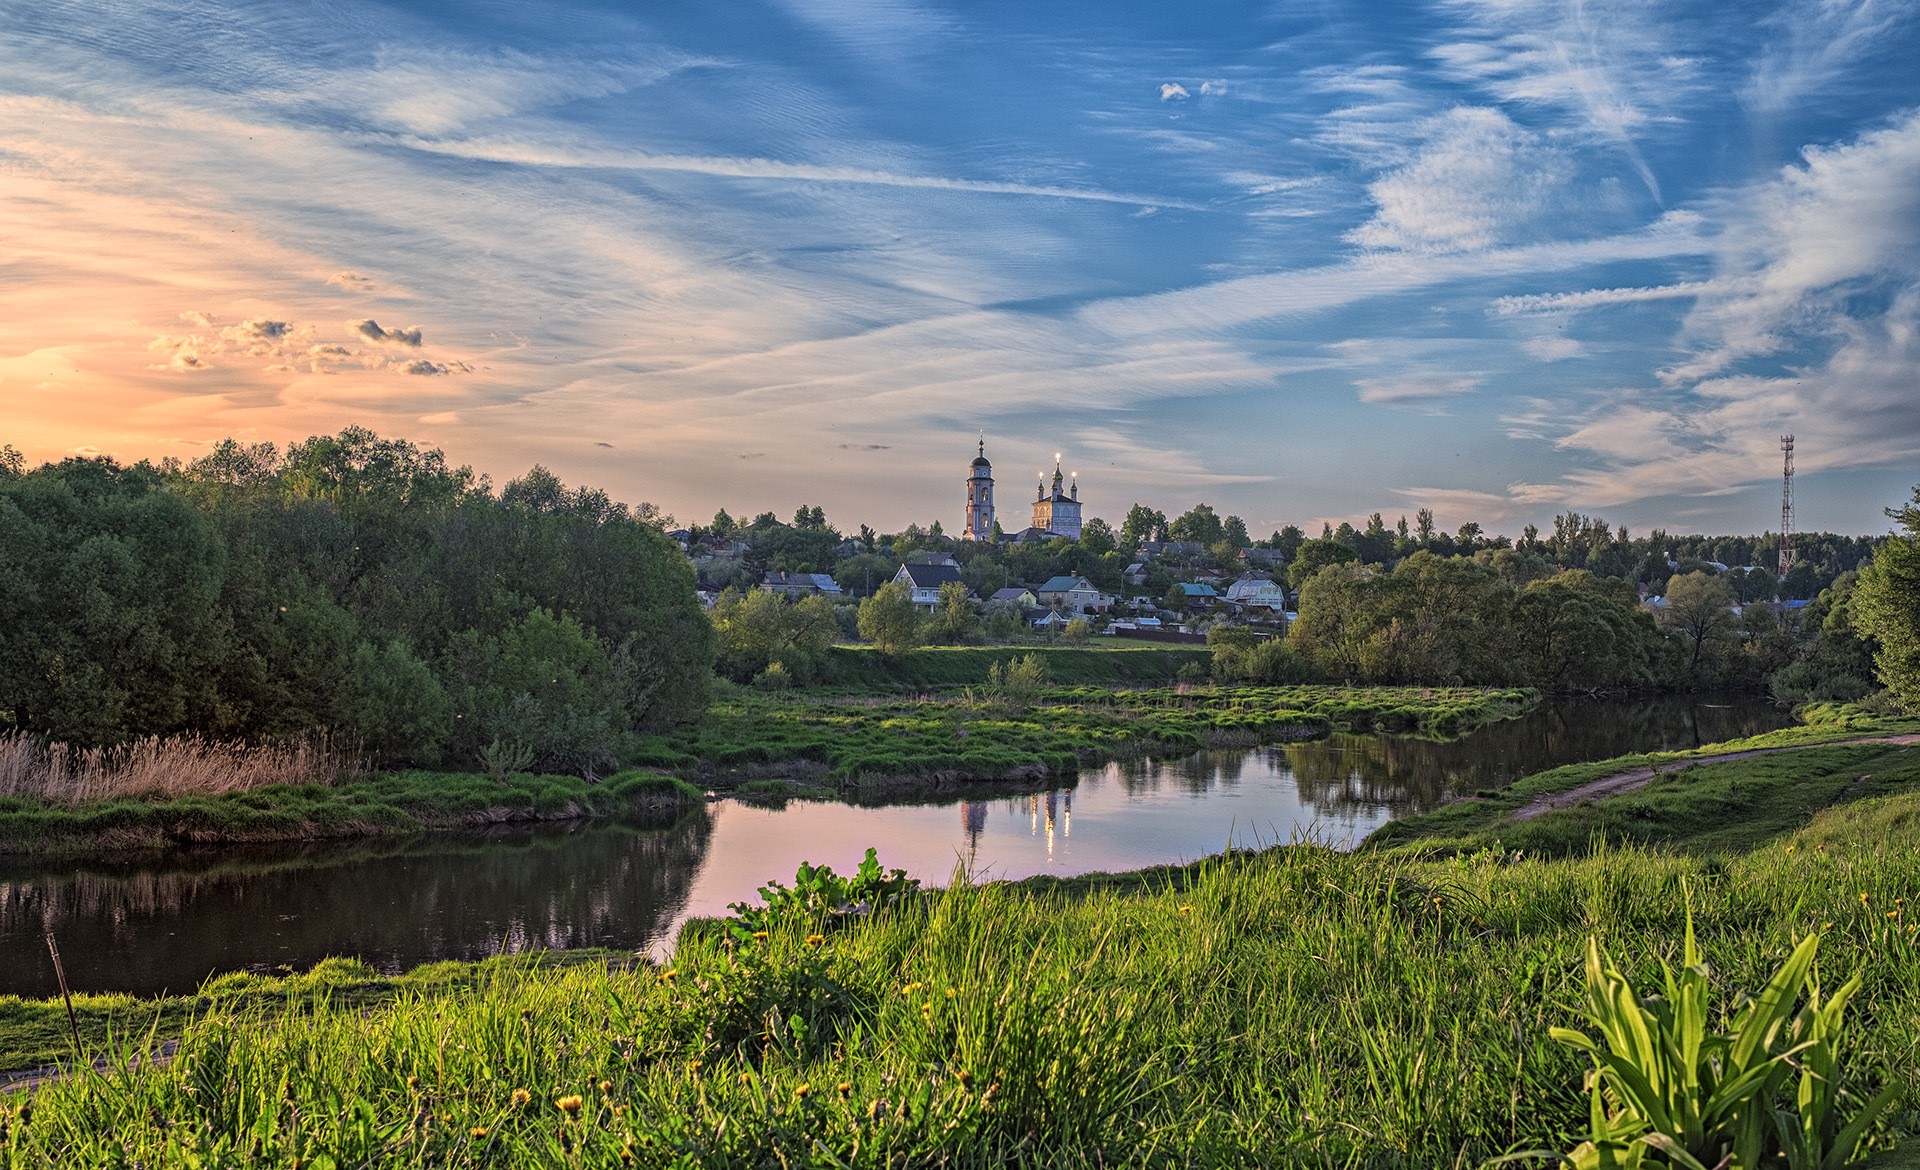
{"x":163,"y":923}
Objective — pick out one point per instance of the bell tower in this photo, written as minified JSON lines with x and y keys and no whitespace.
{"x":980,"y":495}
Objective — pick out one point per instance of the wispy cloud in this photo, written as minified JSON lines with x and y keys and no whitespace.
{"x":1533,"y":304}
{"x":600,"y":158}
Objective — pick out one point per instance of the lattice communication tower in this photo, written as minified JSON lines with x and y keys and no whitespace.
{"x":1786,"y":505}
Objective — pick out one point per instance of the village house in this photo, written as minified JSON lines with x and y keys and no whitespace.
{"x":798,"y":585}
{"x":1257,"y":591}
{"x":925,"y":581}
{"x":1015,"y":595}
{"x":1073,"y":595}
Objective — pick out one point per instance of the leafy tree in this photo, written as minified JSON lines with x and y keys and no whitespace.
{"x":13,"y":465}
{"x":1199,"y":524}
{"x":1423,"y":528}
{"x":760,"y":627}
{"x":891,"y":621}
{"x":1886,"y":606}
{"x":397,"y":706}
{"x":1234,"y":531}
{"x":1699,"y":613}
{"x":1097,"y":537}
{"x":1077,"y":631}
{"x":953,"y":615}
{"x":1142,"y":524}
{"x":1314,"y":555}
{"x":723,"y":524}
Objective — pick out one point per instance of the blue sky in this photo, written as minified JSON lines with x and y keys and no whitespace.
{"x":1305,"y":261}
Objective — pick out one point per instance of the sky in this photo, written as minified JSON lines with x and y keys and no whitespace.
{"x":1305,"y":260}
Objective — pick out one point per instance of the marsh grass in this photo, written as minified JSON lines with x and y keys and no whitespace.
{"x":1298,"y":1007}
{"x":156,"y":767}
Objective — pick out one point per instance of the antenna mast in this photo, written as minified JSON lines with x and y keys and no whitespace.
{"x":1786,"y":505}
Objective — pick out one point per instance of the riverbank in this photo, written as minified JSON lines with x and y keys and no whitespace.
{"x":375,"y":805}
{"x":853,"y":746}
{"x":1733,"y":795}
{"x":1296,"y":1006}
{"x":833,"y":745}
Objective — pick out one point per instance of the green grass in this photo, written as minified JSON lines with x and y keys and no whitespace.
{"x":1297,"y":1007}
{"x":855,"y":741}
{"x":1703,"y":808}
{"x":382,"y":804}
{"x":958,"y":666}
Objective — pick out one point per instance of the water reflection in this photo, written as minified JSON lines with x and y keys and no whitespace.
{"x":160,"y":924}
{"x":145,"y":925}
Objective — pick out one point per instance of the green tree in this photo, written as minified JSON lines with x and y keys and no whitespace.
{"x":1315,"y":555}
{"x":1199,"y":524}
{"x":953,"y":616}
{"x":1078,"y":631}
{"x":1699,"y":614}
{"x":1097,"y":537}
{"x":891,"y":621}
{"x":1142,"y":524}
{"x":1886,"y":606}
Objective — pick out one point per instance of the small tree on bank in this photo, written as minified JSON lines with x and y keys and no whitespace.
{"x":891,"y":621}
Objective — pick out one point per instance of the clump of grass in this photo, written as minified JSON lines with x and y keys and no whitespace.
{"x":188,"y":765}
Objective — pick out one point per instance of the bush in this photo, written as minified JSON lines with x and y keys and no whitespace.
{"x":773,"y":678}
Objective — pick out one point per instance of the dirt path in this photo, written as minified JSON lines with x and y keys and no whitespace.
{"x":1640,"y":777}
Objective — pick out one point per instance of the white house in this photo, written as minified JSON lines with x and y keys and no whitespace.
{"x":926,"y":580}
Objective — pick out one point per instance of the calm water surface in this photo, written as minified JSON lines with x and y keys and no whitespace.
{"x":147,"y":925}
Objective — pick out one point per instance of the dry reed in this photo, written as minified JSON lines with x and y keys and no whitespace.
{"x":188,"y":765}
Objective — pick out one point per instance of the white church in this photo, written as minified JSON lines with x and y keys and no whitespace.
{"x":1055,"y":513}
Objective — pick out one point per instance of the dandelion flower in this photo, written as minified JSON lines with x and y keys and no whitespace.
{"x":964,"y":1077}
{"x":844,"y":1089}
{"x":570,"y":1104}
{"x":521,"y":1097}
{"x":413,"y":1082}
{"x":1186,"y":909}
{"x":760,"y":934}
{"x":478,"y":1131}
{"x":814,"y":940}
{"x":801,"y":1090}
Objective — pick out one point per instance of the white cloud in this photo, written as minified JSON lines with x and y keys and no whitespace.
{"x":1173,"y":91}
{"x":371,"y":331}
{"x":1540,"y":303}
{"x":1477,"y":181}
{"x":1394,"y":391}
{"x":1610,"y":66}
{"x":1847,"y":217}
{"x":1813,"y":44}
{"x":1552,"y":349}
{"x":1213,"y":88}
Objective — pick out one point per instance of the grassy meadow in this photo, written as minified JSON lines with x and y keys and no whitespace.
{"x":1297,"y":1007}
{"x":1696,"y":807}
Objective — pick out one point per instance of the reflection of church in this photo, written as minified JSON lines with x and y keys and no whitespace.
{"x":1045,"y":810}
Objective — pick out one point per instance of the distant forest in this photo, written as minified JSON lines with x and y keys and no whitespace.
{"x":351,"y":583}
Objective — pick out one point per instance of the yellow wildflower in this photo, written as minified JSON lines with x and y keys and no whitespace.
{"x":801,"y":1090}
{"x":570,"y":1104}
{"x":478,"y":1131}
{"x":521,"y":1097}
{"x":606,"y":1086}
{"x":844,"y":1089}
{"x":814,"y":940}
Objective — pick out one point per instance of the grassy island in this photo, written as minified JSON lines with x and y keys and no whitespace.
{"x":867,"y":745}
{"x":1292,"y":1007}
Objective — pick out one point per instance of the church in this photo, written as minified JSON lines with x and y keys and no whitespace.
{"x":1055,"y":513}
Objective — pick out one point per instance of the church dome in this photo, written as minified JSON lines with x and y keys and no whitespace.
{"x":981,"y":461}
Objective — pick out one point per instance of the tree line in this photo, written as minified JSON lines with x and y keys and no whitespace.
{"x":352,"y":583}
